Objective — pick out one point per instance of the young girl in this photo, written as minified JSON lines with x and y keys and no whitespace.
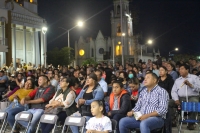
{"x":99,"y":123}
{"x":134,"y":89}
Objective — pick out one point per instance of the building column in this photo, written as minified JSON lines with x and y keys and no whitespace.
{"x":3,"y":55}
{"x":42,"y":49}
{"x":14,"y":45}
{"x":34,"y":46}
{"x":24,"y":45}
{"x":45,"y":50}
{"x":37,"y":52}
{"x":8,"y":36}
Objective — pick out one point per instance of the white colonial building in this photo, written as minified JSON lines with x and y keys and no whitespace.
{"x":110,"y":48}
{"x":21,"y":30}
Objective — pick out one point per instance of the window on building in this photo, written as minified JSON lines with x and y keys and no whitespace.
{"x":92,"y":52}
{"x":110,"y":51}
{"x":118,"y":9}
{"x":101,"y":51}
{"x":118,"y":50}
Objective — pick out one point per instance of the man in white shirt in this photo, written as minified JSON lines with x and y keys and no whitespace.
{"x":102,"y":83}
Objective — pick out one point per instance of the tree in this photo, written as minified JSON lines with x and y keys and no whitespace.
{"x":89,"y":61}
{"x":183,"y":57}
{"x":58,"y":56}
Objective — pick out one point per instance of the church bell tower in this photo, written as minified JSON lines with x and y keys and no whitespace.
{"x":122,"y":27}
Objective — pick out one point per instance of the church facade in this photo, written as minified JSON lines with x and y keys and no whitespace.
{"x":22,"y":30}
{"x":122,"y":40}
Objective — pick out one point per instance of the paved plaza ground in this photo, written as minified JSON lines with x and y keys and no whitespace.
{"x":174,"y":130}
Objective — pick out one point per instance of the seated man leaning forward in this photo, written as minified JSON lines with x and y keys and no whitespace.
{"x":152,"y":104}
{"x":37,"y":101}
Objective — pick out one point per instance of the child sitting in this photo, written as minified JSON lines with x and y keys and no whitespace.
{"x":99,"y":123}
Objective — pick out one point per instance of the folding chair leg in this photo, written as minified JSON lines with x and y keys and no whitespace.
{"x":53,"y":131}
{"x":82,"y":130}
{"x":38,"y":128}
{"x":27,"y":127}
{"x":68,"y":128}
{"x":4,"y":127}
{"x":14,"y":127}
{"x":64,"y":129}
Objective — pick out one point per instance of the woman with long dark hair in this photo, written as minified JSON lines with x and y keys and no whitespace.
{"x":90,"y":92}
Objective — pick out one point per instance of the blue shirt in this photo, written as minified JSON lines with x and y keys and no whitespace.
{"x":155,"y":100}
{"x":174,"y":75}
{"x":103,"y":85}
{"x":181,"y":90}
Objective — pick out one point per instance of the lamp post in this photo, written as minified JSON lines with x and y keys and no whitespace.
{"x":79,"y":24}
{"x":176,"y":49}
{"x":148,"y":42}
{"x":123,"y":35}
{"x":44,"y":31}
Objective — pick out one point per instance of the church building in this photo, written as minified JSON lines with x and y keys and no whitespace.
{"x":23,"y":32}
{"x":122,"y":40}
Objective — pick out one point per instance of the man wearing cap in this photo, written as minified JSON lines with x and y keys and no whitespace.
{"x":37,"y":100}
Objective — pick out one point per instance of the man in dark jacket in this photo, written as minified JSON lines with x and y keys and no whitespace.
{"x":119,"y":102}
{"x":38,"y":99}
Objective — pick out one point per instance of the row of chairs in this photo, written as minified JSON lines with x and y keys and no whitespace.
{"x":80,"y":121}
{"x":50,"y":119}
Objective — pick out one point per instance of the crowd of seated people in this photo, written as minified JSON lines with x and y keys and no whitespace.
{"x":101,"y":93}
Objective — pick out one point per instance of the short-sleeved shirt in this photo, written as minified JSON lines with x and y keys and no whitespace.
{"x":99,"y":124}
{"x":45,"y":93}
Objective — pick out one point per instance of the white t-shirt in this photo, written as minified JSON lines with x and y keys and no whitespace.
{"x":99,"y":124}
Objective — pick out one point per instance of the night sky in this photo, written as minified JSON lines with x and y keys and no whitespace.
{"x":169,"y":23}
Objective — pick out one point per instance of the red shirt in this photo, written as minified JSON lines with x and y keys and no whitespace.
{"x":134,"y":93}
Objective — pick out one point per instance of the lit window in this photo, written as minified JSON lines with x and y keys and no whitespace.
{"x":81,"y":52}
{"x":118,"y":50}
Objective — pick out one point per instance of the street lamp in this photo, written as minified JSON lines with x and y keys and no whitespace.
{"x":149,"y":42}
{"x":79,"y":24}
{"x":176,"y":49}
{"x":44,"y":31}
{"x":123,"y":35}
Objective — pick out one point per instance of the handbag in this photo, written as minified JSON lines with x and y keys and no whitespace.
{"x":85,"y":110}
{"x":52,"y":110}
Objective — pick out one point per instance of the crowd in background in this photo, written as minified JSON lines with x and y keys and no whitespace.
{"x":76,"y":88}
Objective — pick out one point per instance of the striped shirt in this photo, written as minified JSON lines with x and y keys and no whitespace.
{"x":155,"y":100}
